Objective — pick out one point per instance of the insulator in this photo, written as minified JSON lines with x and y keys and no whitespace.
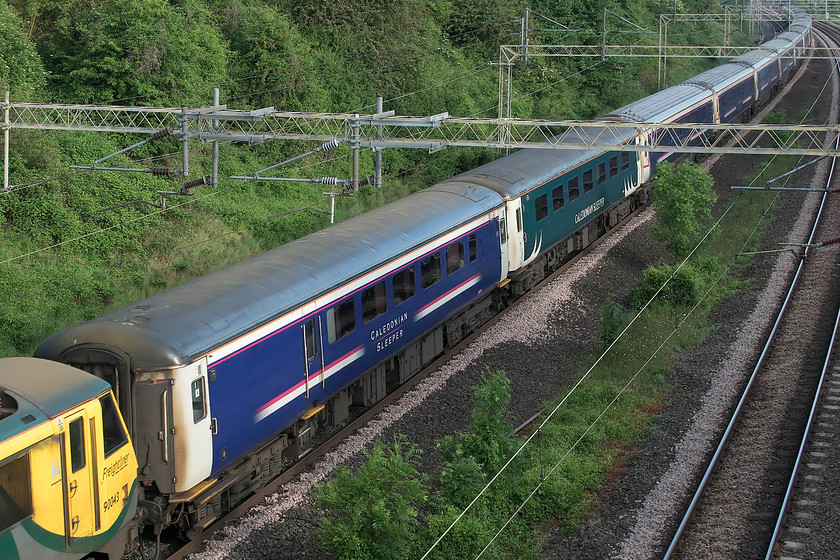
{"x":168,"y":131}
{"x":196,"y":182}
{"x":162,"y":172}
{"x":334,"y":143}
{"x":828,"y":242}
{"x":329,"y":180}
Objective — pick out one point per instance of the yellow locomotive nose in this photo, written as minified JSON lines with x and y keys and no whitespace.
{"x":68,"y":480}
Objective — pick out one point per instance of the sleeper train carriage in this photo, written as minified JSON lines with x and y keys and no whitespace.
{"x":68,"y":475}
{"x":725,"y":94}
{"x":224,"y":379}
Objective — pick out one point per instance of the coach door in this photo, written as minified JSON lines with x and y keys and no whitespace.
{"x":313,"y":356}
{"x":153,"y":438}
{"x":516,"y":234}
{"x":82,"y":513}
{"x":644,"y":170}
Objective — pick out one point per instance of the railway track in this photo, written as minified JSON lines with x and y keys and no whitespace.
{"x":740,"y":504}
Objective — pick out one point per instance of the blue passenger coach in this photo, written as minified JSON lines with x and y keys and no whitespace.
{"x":249,"y":356}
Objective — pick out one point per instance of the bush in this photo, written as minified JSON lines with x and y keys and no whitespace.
{"x":613,"y":321}
{"x":683,"y":198}
{"x":684,"y":288}
{"x":372,"y":514}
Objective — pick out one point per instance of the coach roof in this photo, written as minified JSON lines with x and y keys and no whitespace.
{"x":179,"y":325}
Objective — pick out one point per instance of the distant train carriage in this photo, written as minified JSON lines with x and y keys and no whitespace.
{"x":683,"y":103}
{"x":68,"y":475}
{"x":733,"y":85}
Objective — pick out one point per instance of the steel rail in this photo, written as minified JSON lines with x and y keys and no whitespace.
{"x":713,"y":463}
{"x":815,"y":404}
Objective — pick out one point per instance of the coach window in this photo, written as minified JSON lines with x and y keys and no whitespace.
{"x":625,"y":161}
{"x":454,"y":257}
{"x":15,"y":492}
{"x":341,"y":320}
{"x":602,"y":172}
{"x":557,"y":200}
{"x":310,"y":340}
{"x":613,"y":166}
{"x":503,"y":230}
{"x":587,"y":181}
{"x":113,"y":432}
{"x":574,"y":188}
{"x":403,"y":283}
{"x":541,"y":207}
{"x":473,"y":242}
{"x":197,"y":392}
{"x":77,"y":445}
{"x":374,"y":301}
{"x":430,"y":270}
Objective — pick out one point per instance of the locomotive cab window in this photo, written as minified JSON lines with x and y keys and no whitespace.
{"x":602,"y":172}
{"x":541,"y":207}
{"x":473,"y":242}
{"x":625,"y":161}
{"x":403,"y":284}
{"x":113,"y":433}
{"x":454,"y":257}
{"x":613,"y":166}
{"x":197,"y":392}
{"x":557,"y":200}
{"x":341,"y":320}
{"x":430,"y":270}
{"x":587,"y":181}
{"x":15,"y":492}
{"x":574,"y":188}
{"x":374,"y":301}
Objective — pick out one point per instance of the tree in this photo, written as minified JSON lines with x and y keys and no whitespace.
{"x":144,"y":52}
{"x":683,"y":200}
{"x":21,"y":71}
{"x":372,"y":514}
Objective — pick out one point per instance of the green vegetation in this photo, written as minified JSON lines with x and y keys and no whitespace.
{"x":589,"y":433}
{"x":373,"y":512}
{"x":683,"y":199}
{"x":74,"y":244}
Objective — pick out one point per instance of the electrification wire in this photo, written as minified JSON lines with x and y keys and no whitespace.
{"x":362,"y":57}
{"x":600,"y":358}
{"x":70,"y":175}
{"x":395,"y":65}
{"x":569,"y":394}
{"x":313,"y":164}
{"x":158,"y":212}
{"x":476,"y":70}
{"x":674,"y":331}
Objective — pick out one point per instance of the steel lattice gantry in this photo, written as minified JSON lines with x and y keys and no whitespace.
{"x":433,"y":133}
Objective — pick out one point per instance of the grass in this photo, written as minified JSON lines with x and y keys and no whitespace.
{"x":595,"y":429}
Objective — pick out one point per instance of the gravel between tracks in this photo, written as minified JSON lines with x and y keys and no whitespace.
{"x":537,"y":347}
